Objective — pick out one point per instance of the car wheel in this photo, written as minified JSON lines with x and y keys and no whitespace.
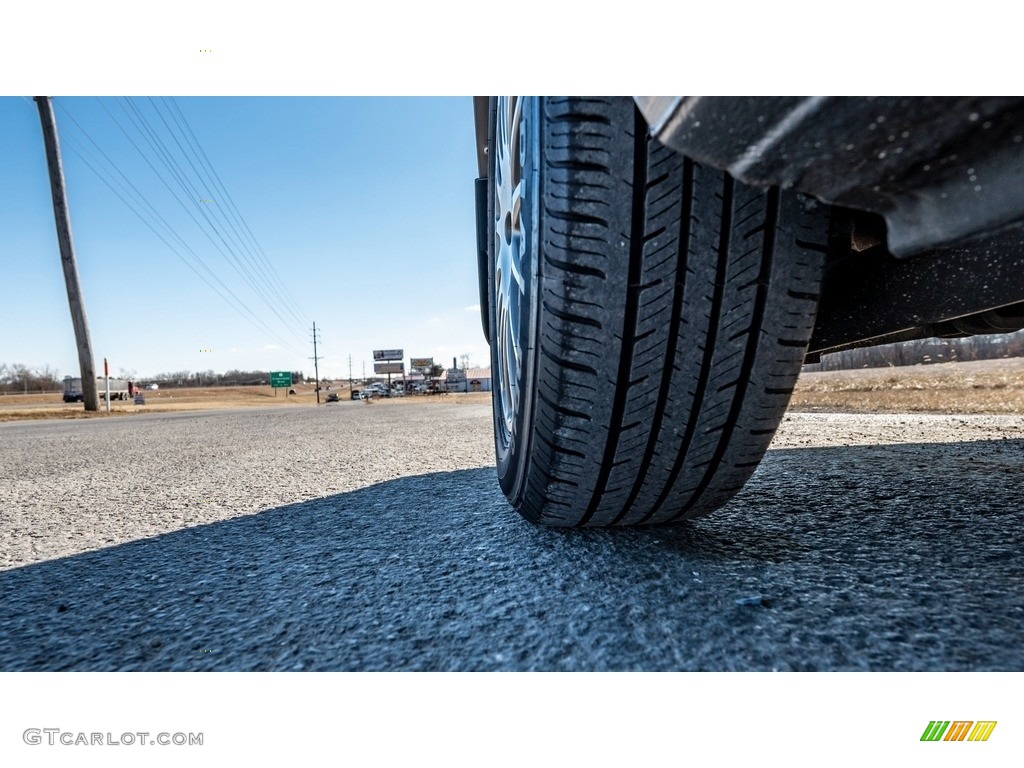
{"x":648,"y":315}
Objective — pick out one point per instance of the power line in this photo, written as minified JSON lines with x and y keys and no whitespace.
{"x":160,"y":150}
{"x":259,"y":255}
{"x":233,"y":208}
{"x":235,"y":302}
{"x":193,"y":194}
{"x":259,"y":274}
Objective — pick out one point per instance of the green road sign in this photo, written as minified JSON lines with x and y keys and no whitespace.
{"x":280,"y":378}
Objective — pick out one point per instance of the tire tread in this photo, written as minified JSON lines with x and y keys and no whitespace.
{"x":676,"y":308}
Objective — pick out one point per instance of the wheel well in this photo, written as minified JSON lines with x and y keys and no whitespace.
{"x":870,"y":297}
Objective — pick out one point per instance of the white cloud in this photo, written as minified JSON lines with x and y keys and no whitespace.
{"x":270,"y":346}
{"x":473,"y":308}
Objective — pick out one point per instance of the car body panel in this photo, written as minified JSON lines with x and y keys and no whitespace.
{"x":940,"y":170}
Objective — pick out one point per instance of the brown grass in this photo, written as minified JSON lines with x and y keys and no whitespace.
{"x":988,"y":386}
{"x":984,"y":386}
{"x":51,"y":406}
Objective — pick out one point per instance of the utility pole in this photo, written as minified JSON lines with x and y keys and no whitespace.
{"x":90,"y":392}
{"x":350,"y":374}
{"x":316,"y":368}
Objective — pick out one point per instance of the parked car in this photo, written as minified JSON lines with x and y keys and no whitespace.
{"x":655,"y":271}
{"x":332,"y":397}
{"x":355,"y":394}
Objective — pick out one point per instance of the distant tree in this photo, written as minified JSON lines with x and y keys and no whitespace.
{"x":926,"y":351}
{"x":21,"y":373}
{"x":8,"y":378}
{"x":45,"y":379}
{"x":18,"y":377}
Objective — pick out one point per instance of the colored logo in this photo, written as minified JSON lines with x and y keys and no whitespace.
{"x":958,"y":730}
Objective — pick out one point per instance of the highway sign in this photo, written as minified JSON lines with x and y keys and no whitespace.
{"x":388,"y":354}
{"x":280,"y":378}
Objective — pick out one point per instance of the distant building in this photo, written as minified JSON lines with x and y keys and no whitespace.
{"x":478,"y":380}
{"x":455,"y":380}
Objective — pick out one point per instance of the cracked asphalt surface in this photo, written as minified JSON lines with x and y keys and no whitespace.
{"x":354,"y":537}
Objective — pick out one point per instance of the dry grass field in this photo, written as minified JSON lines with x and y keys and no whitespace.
{"x":983,"y":386}
{"x":987,"y":387}
{"x":51,"y":406}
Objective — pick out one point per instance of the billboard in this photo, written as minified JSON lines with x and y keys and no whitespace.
{"x":421,"y":364}
{"x":388,"y":354}
{"x":389,"y":367}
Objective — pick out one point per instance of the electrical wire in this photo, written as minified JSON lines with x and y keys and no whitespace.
{"x":193,"y":194}
{"x":234,"y":209}
{"x":265,"y":286}
{"x":260,"y":259}
{"x":140,"y":200}
{"x":168,"y":163}
{"x":240,"y":306}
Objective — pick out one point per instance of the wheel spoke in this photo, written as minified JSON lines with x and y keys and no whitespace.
{"x":510,"y":283}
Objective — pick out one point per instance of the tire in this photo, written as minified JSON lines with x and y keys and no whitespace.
{"x":648,"y":316}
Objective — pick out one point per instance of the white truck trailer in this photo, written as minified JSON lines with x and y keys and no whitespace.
{"x":120,"y":389}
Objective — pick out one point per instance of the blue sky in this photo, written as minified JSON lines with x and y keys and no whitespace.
{"x":362,"y":206}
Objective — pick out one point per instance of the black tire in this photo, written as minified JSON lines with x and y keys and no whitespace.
{"x":662,"y":325}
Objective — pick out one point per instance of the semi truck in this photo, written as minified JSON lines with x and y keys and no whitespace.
{"x":120,"y":389}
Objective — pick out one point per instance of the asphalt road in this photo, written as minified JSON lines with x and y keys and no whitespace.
{"x":356,"y":537}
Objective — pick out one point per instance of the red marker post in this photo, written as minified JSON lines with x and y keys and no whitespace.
{"x":106,"y":377}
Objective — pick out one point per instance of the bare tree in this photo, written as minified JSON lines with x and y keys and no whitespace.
{"x":46,"y":379}
{"x":926,"y":351}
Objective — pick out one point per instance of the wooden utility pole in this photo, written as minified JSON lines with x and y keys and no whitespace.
{"x":90,"y":392}
{"x":316,"y":367}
